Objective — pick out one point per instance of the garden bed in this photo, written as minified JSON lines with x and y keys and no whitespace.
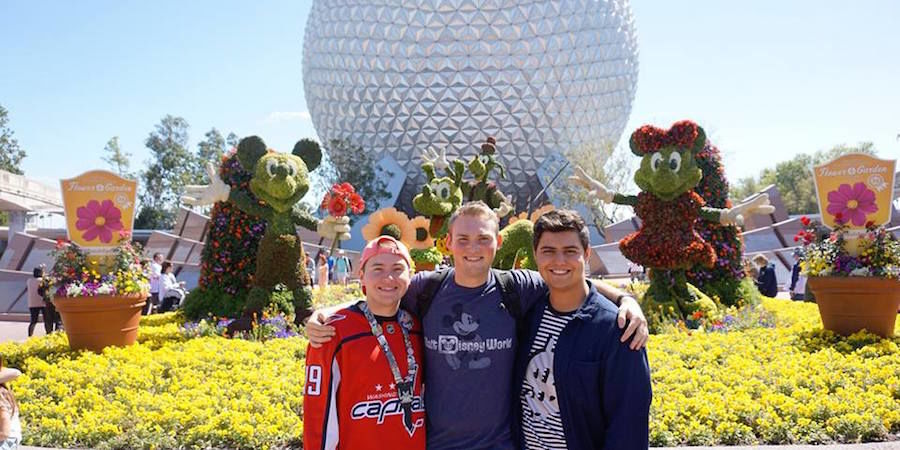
{"x":791,"y":383}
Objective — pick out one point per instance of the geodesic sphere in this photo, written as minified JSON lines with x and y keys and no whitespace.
{"x":541,"y":76}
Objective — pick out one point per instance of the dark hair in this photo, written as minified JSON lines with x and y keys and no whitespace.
{"x":157,"y":254}
{"x":166,"y":265}
{"x":558,"y":221}
{"x":38,"y":272}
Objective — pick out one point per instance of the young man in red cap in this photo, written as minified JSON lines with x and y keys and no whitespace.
{"x":364,"y":387}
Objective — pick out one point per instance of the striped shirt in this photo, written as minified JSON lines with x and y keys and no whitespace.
{"x":541,"y":422}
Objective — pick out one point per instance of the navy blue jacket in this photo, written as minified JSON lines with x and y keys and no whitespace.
{"x":766,"y":283}
{"x":603,"y":386}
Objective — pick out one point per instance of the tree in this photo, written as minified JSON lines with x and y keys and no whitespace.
{"x":168,"y":171}
{"x":614,"y":168}
{"x":794,"y":179}
{"x":118,"y":160}
{"x":350,"y":163}
{"x":11,"y":154}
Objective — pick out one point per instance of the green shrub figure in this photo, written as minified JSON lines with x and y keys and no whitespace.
{"x":229,"y":256}
{"x":667,"y":242}
{"x":277,"y":183}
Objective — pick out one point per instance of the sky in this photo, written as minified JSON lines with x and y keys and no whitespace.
{"x":767,"y":79}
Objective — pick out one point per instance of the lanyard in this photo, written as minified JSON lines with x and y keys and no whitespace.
{"x":405,"y":385}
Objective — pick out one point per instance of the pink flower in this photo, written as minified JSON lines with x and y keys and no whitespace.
{"x":99,"y":219}
{"x":852,"y":203}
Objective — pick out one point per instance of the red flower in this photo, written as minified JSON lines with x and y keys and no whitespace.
{"x":805,"y":221}
{"x":341,"y":199}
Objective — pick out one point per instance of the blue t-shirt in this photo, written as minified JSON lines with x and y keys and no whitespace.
{"x":470,"y":352}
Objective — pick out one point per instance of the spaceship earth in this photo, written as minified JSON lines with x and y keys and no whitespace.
{"x":540,"y":76}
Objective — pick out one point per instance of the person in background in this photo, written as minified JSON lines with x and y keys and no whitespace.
{"x":798,"y":280}
{"x":154,"y":275}
{"x":310,"y":266}
{"x":322,"y":267}
{"x":766,"y":281}
{"x":36,"y":303}
{"x":342,"y":268}
{"x":330,"y":260}
{"x":10,"y":426}
{"x":170,"y":289}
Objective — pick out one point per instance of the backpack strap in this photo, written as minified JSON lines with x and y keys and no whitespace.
{"x":511,"y":300}
{"x":509,"y":293}
{"x":433,"y":282}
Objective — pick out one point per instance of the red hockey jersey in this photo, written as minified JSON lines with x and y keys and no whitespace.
{"x":350,"y":400}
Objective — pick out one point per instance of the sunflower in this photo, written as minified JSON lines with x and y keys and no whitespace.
{"x":389,"y":221}
{"x":534,"y":215}
{"x":423,"y":239}
{"x":441,"y":245}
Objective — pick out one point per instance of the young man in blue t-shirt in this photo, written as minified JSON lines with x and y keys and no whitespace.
{"x":470,"y":338}
{"x":578,"y":388}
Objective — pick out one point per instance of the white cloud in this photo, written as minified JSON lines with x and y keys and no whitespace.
{"x":286,"y":116}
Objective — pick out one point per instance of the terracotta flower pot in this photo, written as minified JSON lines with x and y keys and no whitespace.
{"x":422,"y":265}
{"x":94,"y":323}
{"x":849,"y":304}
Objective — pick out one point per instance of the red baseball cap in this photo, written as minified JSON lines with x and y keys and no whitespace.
{"x":385,"y":245}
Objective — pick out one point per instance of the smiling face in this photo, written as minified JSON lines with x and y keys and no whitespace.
{"x":385,"y":278}
{"x":560,"y":258}
{"x":473,"y":241}
{"x":668,"y":173}
{"x":280,"y":179}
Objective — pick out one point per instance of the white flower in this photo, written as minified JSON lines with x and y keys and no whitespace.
{"x":859,"y":272}
{"x":105,"y":289}
{"x":74,"y":290}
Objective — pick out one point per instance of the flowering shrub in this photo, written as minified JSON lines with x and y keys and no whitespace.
{"x":75,"y":274}
{"x":723,"y":280}
{"x":229,"y":256}
{"x":269,"y":327}
{"x":430,"y":255}
{"x":877,"y":252}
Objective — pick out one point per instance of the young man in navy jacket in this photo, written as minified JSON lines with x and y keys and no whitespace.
{"x":579,"y":388}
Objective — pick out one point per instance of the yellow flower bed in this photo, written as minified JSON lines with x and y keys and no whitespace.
{"x":793,"y":383}
{"x":164,"y":393}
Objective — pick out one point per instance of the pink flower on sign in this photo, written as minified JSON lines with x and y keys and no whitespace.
{"x":99,"y":220}
{"x":852,"y":203}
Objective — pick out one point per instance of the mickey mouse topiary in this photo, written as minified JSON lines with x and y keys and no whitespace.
{"x":279,"y":180}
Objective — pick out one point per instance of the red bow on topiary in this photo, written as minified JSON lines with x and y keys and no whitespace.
{"x":650,"y":139}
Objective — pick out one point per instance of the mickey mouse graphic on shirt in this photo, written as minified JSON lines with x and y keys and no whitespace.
{"x":540,"y":386}
{"x":465,"y":326}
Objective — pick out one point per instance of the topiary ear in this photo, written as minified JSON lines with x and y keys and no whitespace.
{"x":249,"y":151}
{"x":310,"y":152}
{"x":700,"y":142}
{"x":632,"y":144}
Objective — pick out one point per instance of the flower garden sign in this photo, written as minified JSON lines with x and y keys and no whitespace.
{"x":854,"y":193}
{"x":99,"y":207}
